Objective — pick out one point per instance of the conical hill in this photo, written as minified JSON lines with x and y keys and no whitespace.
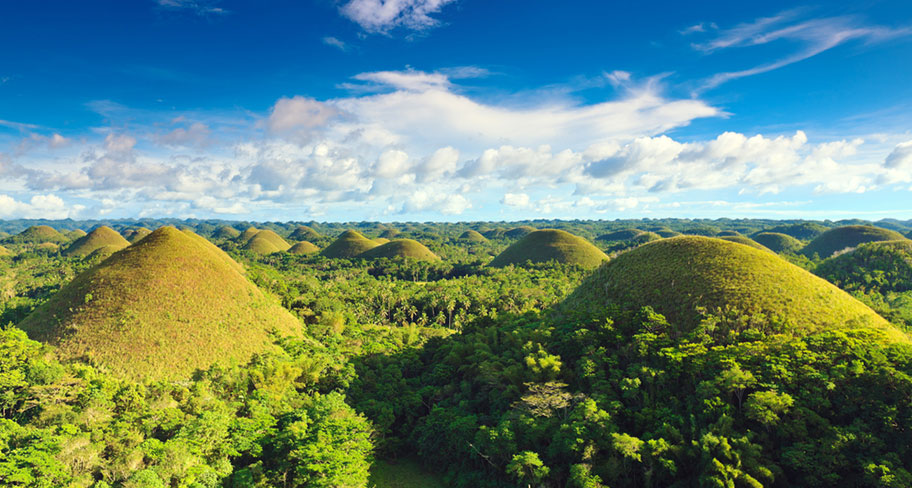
{"x":348,"y":245}
{"x":472,"y":236}
{"x":401,"y":248}
{"x":266,"y":242}
{"x":681,"y":276}
{"x":103,"y":236}
{"x":841,"y":238}
{"x":226,"y":232}
{"x":161,"y":308}
{"x":37,"y":234}
{"x":136,"y":234}
{"x":304,"y":233}
{"x":778,"y":242}
{"x":303,"y":247}
{"x":551,"y":245}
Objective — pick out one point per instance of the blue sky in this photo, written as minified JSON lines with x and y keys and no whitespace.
{"x":455,"y":109}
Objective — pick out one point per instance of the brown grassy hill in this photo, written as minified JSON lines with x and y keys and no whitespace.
{"x":226,"y":232}
{"x":266,"y":242}
{"x":744,"y":240}
{"x":247,"y":235}
{"x":304,"y":247}
{"x":682,"y":275}
{"x":401,"y":248}
{"x":75,"y":234}
{"x":304,"y":233}
{"x":619,"y":235}
{"x":103,"y":236}
{"x":36,"y":234}
{"x":136,"y":234}
{"x":5,"y":252}
{"x":348,"y":245}
{"x":472,"y":236}
{"x":551,"y":245}
{"x":519,"y":232}
{"x":161,"y":308}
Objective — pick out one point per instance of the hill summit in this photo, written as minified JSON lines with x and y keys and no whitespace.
{"x":841,"y":238}
{"x":551,"y":245}
{"x":161,"y":308}
{"x":348,"y":245}
{"x":103,"y":236}
{"x":401,"y":248}
{"x":680,"y":276}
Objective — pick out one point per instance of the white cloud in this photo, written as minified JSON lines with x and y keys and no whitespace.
{"x":199,"y":7}
{"x":299,"y":115}
{"x":196,"y":135}
{"x":381,"y":16}
{"x":515,"y":200}
{"x":901,"y":157}
{"x":814,"y":36}
{"x":39,"y":206}
{"x":336,"y":43}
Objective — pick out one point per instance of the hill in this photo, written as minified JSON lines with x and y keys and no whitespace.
{"x":5,"y":252}
{"x":841,"y":238}
{"x":304,"y":247}
{"x":744,"y":240}
{"x":247,"y":235}
{"x":519,"y":232}
{"x":304,"y":233}
{"x":884,"y":266}
{"x":266,"y":242}
{"x":103,"y":236}
{"x":472,"y":236}
{"x":493,"y":234}
{"x":619,"y":235}
{"x":133,"y":235}
{"x":75,"y":234}
{"x":389,"y":233}
{"x":551,"y":244}
{"x":37,"y":234}
{"x":348,"y":245}
{"x":380,"y":240}
{"x":680,"y":276}
{"x":161,"y":308}
{"x":401,"y":248}
{"x":804,"y":231}
{"x":226,"y":232}
{"x":778,"y":242}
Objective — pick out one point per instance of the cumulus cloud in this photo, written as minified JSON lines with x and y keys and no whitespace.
{"x":196,"y":135}
{"x":515,"y":200}
{"x":299,"y":116}
{"x":39,"y":206}
{"x":381,"y":16}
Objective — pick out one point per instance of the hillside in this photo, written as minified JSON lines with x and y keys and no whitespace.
{"x":75,"y":234}
{"x":304,"y":247}
{"x":401,"y":248}
{"x":226,"y":232}
{"x":36,"y":234}
{"x":5,"y":252}
{"x":679,"y":276}
{"x":619,"y":235}
{"x":841,"y":238}
{"x":519,"y":232}
{"x":348,"y":245}
{"x":266,"y":242}
{"x":304,"y":233}
{"x":472,"y":236}
{"x":884,"y":266}
{"x":804,"y":231}
{"x":133,"y":235}
{"x":161,"y":308}
{"x":100,"y":237}
{"x":247,"y":235}
{"x":551,"y":245}
{"x":744,"y":240}
{"x":778,"y":242}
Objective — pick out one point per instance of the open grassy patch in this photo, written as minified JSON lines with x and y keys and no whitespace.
{"x":551,"y":245}
{"x":161,"y":308}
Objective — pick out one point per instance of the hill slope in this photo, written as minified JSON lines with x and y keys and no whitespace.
{"x":880,"y":266}
{"x":37,"y":234}
{"x":348,"y":245}
{"x":304,"y":247}
{"x":304,"y":233}
{"x":472,"y":236}
{"x":551,"y":244}
{"x":778,"y":242}
{"x":161,"y":308}
{"x":519,"y":232}
{"x":841,"y":238}
{"x":680,"y":275}
{"x":266,"y":242}
{"x":401,"y":248}
{"x":744,"y":240}
{"x":103,"y":236}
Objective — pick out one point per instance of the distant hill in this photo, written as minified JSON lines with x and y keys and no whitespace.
{"x":389,"y":234}
{"x":103,"y":236}
{"x":744,"y":240}
{"x":884,"y":266}
{"x":519,"y":232}
{"x":472,"y":236}
{"x":133,"y":235}
{"x":303,"y":247}
{"x":841,"y":238}
{"x":380,"y":240}
{"x":304,"y":233}
{"x":37,"y":234}
{"x":161,"y":308}
{"x":551,"y":244}
{"x":226,"y":232}
{"x":680,"y":276}
{"x":401,"y":248}
{"x":266,"y":242}
{"x":493,"y":234}
{"x":247,"y":235}
{"x":348,"y":245}
{"x":778,"y":242}
{"x":619,"y":235}
{"x":803,"y":231}
{"x":75,"y":234}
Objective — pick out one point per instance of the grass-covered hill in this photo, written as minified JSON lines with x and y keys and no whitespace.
{"x":5,"y":252}
{"x":380,"y":240}
{"x":304,"y":233}
{"x":842,"y":238}
{"x":747,"y":241}
{"x":519,"y":232}
{"x":135,"y":234}
{"x":266,"y":242}
{"x":619,"y":235}
{"x":804,"y":231}
{"x":161,"y":308}
{"x":103,"y":236}
{"x":472,"y":236}
{"x":778,"y":242}
{"x":401,"y":248}
{"x":551,"y":245}
{"x":682,"y":276}
{"x":493,"y":233}
{"x":303,"y":247}
{"x":226,"y":232}
{"x":389,"y":233}
{"x":884,"y":266}
{"x":75,"y":234}
{"x":247,"y":235}
{"x":37,"y":234}
{"x":348,"y":245}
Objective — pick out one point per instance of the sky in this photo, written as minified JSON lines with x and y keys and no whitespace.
{"x":455,"y":110}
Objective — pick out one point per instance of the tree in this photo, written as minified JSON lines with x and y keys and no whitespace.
{"x":527,"y":468}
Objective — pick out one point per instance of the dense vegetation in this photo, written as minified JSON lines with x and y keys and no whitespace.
{"x":681,"y":362}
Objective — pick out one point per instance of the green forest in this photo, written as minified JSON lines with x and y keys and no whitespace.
{"x":585,"y":354}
